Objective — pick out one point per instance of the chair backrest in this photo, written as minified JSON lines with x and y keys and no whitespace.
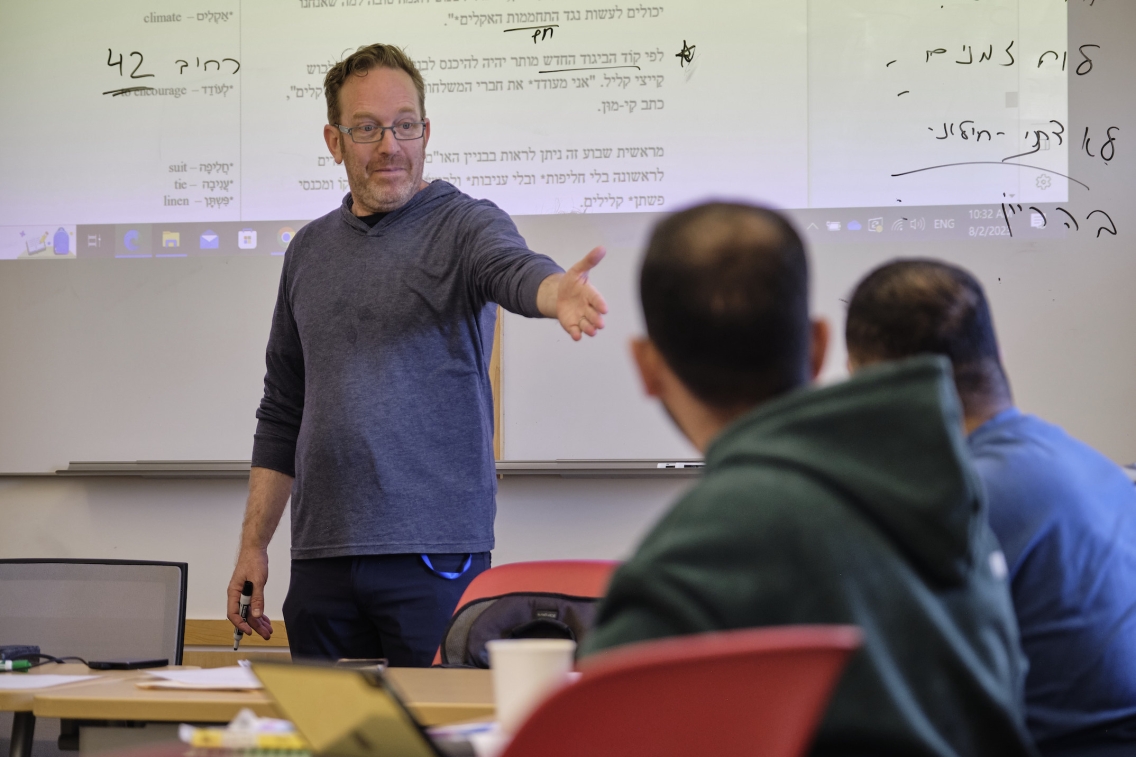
{"x":95,"y":609}
{"x":750,"y":692}
{"x":580,"y":578}
{"x":571,"y":578}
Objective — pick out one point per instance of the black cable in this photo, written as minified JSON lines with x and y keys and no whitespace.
{"x":46,"y":658}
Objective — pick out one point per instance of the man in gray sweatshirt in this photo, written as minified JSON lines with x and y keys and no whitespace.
{"x":377,"y":416}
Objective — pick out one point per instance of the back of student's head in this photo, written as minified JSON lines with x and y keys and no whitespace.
{"x":916,"y":306}
{"x":725,"y":297}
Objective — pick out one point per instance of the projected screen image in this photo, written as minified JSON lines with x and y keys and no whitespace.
{"x":196,"y":129}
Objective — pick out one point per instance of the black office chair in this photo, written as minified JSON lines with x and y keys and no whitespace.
{"x":94,"y":609}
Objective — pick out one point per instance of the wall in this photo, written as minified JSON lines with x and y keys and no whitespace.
{"x":1063,"y":358}
{"x":198,"y":522}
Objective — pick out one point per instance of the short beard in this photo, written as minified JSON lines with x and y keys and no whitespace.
{"x":375,"y":199}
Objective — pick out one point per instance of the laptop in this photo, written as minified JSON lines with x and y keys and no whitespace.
{"x":345,"y":712}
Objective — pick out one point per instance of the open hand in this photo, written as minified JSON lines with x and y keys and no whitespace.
{"x":580,"y":307}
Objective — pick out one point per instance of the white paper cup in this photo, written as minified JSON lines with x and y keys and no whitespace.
{"x":525,"y":671}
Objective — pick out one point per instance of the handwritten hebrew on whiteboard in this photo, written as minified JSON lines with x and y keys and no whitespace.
{"x":960,"y":102}
{"x":214,"y":112}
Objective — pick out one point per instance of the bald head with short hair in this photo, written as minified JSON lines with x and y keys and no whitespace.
{"x":725,"y":297}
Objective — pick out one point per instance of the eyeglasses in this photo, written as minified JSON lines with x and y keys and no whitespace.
{"x":367,"y":133}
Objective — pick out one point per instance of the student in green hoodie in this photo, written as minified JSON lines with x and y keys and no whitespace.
{"x":850,"y":504}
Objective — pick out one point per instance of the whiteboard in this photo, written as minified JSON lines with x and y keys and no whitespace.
{"x":215,"y":115}
{"x":163,"y":358}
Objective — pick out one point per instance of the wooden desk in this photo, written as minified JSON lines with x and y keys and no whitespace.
{"x":22,"y":702}
{"x":438,"y":696}
{"x":121,"y":699}
{"x":435,"y":695}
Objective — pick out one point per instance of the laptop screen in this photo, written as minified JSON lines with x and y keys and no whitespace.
{"x":345,"y":713}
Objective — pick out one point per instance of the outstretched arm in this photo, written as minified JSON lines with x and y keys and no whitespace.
{"x":570,"y":298}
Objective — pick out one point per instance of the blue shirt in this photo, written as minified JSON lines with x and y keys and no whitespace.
{"x":377,"y":396}
{"x":1066,"y":517}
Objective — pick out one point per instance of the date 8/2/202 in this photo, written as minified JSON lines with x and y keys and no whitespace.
{"x":989,"y":231}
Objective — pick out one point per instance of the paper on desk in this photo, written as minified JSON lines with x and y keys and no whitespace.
{"x":25,"y":682}
{"x":234,"y":678}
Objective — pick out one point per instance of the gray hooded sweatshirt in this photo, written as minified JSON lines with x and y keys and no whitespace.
{"x":377,"y":395}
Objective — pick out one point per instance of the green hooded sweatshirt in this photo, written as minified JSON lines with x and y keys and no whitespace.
{"x":857,"y":504}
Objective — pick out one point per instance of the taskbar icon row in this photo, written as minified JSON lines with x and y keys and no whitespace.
{"x":931,"y":223}
{"x":185,"y":240}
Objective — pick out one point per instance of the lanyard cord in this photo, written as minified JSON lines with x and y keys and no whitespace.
{"x":446,"y":575}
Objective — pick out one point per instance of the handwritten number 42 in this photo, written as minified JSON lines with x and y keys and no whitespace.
{"x":134,"y":72}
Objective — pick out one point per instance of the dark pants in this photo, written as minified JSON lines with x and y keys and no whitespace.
{"x":390,"y":606}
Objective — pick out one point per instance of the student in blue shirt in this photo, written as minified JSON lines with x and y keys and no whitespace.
{"x":1064,"y":513}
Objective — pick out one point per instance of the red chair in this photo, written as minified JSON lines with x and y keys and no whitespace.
{"x":751,"y":692}
{"x":578,"y":578}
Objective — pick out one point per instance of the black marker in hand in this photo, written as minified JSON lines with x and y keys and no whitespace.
{"x":246,"y":599}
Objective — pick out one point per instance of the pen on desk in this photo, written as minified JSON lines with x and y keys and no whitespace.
{"x":15,"y":665}
{"x":246,"y":598}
